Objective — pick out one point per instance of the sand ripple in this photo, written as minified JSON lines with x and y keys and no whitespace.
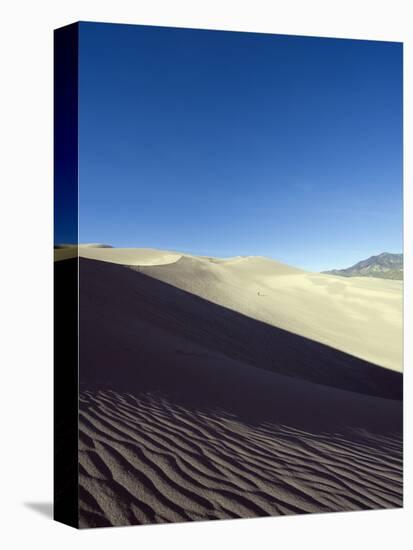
{"x":146,"y":459}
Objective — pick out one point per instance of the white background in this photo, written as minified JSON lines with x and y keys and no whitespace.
{"x":26,"y":270}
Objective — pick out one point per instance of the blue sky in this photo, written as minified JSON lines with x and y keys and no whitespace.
{"x":227,"y":144}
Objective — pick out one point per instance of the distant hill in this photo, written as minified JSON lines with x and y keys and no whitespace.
{"x":384,"y":266}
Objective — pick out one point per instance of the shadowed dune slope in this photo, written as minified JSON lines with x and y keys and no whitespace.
{"x":190,"y":410}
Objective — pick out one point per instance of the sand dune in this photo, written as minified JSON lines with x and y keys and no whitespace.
{"x":197,"y":403}
{"x":131,"y":256}
{"x":360,"y":316}
{"x":139,"y":320}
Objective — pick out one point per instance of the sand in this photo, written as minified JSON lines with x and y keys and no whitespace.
{"x":122,"y":256}
{"x":360,"y":316}
{"x":216,"y":388}
{"x":146,"y":459}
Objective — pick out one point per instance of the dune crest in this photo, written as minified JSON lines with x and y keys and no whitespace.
{"x":122,"y":256}
{"x":131,"y":256}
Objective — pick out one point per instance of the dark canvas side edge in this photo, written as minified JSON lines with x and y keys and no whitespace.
{"x":65,"y":478}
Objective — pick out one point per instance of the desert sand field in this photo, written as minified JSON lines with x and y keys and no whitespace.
{"x":222,"y":388}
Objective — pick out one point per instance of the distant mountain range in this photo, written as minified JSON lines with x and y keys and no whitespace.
{"x":384,"y":266}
